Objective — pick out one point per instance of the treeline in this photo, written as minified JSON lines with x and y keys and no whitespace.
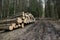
{"x":39,"y":8}
{"x":52,"y":9}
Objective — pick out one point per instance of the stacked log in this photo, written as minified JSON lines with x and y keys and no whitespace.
{"x":21,"y":21}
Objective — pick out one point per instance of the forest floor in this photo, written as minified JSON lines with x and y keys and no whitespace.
{"x":40,"y":30}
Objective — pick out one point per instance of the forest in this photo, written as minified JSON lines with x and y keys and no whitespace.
{"x":39,"y":8}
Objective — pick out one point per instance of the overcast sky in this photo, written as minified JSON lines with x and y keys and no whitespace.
{"x":43,"y":3}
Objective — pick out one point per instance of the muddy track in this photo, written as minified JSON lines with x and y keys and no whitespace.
{"x":17,"y":32}
{"x":50,"y":32}
{"x":40,"y":30}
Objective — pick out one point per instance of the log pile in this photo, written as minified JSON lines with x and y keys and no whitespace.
{"x":25,"y":18}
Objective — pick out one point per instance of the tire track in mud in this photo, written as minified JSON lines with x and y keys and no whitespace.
{"x":28,"y":35}
{"x":49,"y":32}
{"x":33,"y":33}
{"x":12,"y":35}
{"x":40,"y":30}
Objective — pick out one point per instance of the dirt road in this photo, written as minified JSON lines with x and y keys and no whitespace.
{"x":40,"y":30}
